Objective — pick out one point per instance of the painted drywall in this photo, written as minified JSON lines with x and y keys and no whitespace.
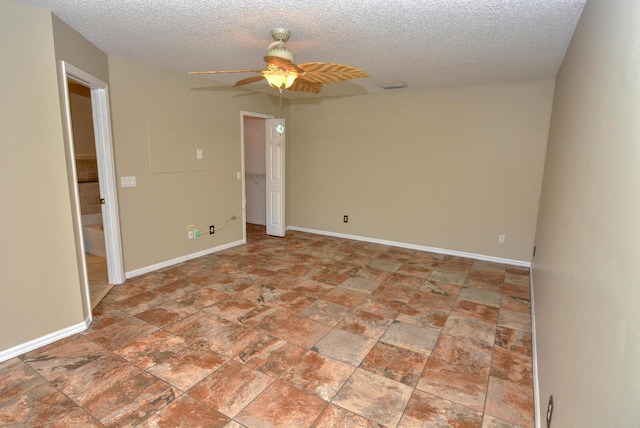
{"x":40,"y":292}
{"x":155,"y":214}
{"x":72,"y":47}
{"x":447,"y":168}
{"x":585,"y":273}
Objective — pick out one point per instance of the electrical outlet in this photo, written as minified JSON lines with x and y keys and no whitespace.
{"x":191,"y":227}
{"x":501,"y":238}
{"x":212,"y":230}
{"x":190,"y":234}
{"x":549,"y":411}
{"x":345,"y":219}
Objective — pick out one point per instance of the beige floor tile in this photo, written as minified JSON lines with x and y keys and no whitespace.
{"x":374,"y":397}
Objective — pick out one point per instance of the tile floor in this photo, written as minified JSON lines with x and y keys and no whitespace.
{"x":300,"y":331}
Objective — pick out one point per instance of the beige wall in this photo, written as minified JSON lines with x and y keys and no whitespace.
{"x":448,"y":168}
{"x":586,"y":274}
{"x":72,"y":47}
{"x":154,"y":215}
{"x":40,"y":289}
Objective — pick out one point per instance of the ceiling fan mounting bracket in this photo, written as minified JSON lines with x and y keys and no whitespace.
{"x":280,"y":34}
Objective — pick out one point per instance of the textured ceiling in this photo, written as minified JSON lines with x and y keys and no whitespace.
{"x":423,"y":43}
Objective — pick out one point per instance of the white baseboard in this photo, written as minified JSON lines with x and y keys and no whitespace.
{"x":167,"y":263}
{"x":534,"y":357}
{"x":44,"y":340}
{"x":416,"y":247}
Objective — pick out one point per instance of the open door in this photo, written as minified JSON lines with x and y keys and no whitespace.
{"x":107,"y":180}
{"x":275,"y":131}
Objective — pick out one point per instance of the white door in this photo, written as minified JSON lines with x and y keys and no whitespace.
{"x":275,"y":130}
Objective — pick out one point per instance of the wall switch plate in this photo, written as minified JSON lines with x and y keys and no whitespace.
{"x":128,"y":181}
{"x":199,"y":154}
{"x":345,"y":219}
{"x":501,"y":238}
{"x":190,"y":234}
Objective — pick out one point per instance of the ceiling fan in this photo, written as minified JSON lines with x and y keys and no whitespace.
{"x":282,"y":73}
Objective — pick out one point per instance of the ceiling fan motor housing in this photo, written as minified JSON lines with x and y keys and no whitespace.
{"x":278,"y":47}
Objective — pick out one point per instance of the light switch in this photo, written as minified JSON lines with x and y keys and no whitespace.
{"x":128,"y":181}
{"x":238,"y":175}
{"x":199,"y":153}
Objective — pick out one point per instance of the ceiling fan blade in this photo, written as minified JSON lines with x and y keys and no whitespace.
{"x":249,"y":80}
{"x":225,"y":71}
{"x":304,"y":85}
{"x":283,"y":63}
{"x":328,"y":72}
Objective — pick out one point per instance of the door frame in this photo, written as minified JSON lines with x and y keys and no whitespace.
{"x":106,"y":176}
{"x":243,"y":114}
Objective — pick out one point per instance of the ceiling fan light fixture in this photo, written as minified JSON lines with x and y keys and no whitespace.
{"x":280,"y":78}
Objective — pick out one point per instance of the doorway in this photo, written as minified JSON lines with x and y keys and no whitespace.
{"x":253,"y":141}
{"x":268,"y":149}
{"x":88,"y":190}
{"x":254,"y":170}
{"x":102,"y":179}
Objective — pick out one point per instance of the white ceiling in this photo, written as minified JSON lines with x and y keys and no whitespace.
{"x":423,"y":43}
